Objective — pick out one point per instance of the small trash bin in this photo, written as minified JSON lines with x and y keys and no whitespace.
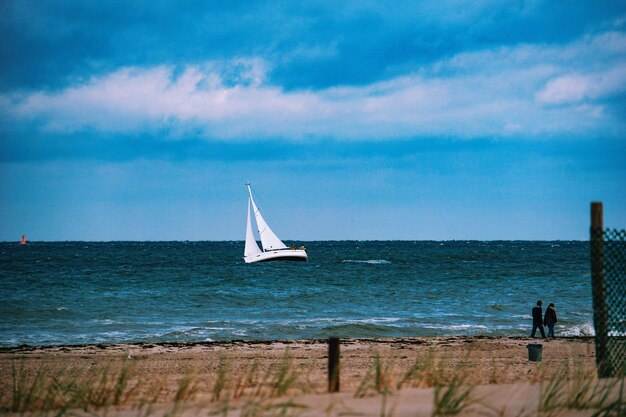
{"x":534,"y":352}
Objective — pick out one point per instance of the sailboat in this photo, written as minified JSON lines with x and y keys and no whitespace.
{"x":273,"y":248}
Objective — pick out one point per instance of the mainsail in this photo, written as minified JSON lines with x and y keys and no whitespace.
{"x":251,"y":248}
{"x":269,"y":240}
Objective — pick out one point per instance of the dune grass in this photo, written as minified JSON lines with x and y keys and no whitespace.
{"x":256,"y":389}
{"x":452,"y":397}
{"x":62,"y":391}
{"x":580,"y":389}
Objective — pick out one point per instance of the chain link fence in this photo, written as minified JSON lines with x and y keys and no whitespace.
{"x":608,"y":270}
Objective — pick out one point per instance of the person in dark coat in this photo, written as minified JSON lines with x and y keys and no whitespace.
{"x":550,"y":319}
{"x":537,"y":320}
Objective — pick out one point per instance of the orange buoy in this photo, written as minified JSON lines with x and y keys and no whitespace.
{"x":23,"y":239}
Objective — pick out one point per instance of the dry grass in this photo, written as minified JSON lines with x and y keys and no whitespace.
{"x":267,"y":388}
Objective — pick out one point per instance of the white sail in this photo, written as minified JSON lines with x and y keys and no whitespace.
{"x":269,"y":240}
{"x":252,"y":248}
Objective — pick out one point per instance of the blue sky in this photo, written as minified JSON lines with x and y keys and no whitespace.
{"x":353,"y":120}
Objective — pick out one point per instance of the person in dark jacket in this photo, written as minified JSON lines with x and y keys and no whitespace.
{"x":550,"y":319}
{"x":537,"y":320}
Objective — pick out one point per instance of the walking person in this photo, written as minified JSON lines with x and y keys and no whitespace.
{"x":538,"y":320}
{"x":550,"y":319}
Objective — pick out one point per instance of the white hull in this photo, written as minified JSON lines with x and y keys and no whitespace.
{"x":277,"y":255}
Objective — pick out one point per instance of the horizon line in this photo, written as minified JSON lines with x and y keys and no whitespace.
{"x":302,"y":240}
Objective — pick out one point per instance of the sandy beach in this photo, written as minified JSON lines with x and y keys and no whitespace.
{"x":404,"y":374}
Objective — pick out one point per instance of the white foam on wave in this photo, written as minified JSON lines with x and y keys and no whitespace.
{"x":105,"y":322}
{"x":196,"y":332}
{"x":585,"y":329}
{"x":380,"y":320}
{"x":113,"y":334}
{"x":456,"y":326}
{"x":340,"y":320}
{"x":367,"y":261}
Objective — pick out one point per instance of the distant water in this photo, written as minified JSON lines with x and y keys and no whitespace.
{"x":97,"y":292}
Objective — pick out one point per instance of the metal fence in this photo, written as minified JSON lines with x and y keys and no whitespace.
{"x":608,"y":271}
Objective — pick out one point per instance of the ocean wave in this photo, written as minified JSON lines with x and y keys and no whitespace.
{"x":360,"y":330}
{"x":375,"y":320}
{"x":201,"y":333}
{"x":312,"y":322}
{"x":184,"y":331}
{"x":578,"y":313}
{"x":105,"y":322}
{"x":456,"y":326}
{"x":585,"y":329}
{"x":367,"y":261}
{"x":113,"y":335}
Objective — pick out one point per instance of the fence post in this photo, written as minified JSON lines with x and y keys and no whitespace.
{"x":598,"y":281}
{"x":333,"y":364}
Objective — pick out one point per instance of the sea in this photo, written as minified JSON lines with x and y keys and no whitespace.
{"x":68,"y":293}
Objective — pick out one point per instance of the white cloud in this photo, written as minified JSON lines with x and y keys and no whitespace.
{"x":528,"y":89}
{"x":569,"y":88}
{"x":574,"y":88}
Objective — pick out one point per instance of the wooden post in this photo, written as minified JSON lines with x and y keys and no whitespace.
{"x":597,"y":220}
{"x":333,"y":364}
{"x":598,"y":281}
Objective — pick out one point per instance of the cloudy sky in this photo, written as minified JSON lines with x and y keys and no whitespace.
{"x":353,"y":120}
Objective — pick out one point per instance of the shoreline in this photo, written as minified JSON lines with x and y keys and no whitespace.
{"x":243,"y":342}
{"x":491,"y":359}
